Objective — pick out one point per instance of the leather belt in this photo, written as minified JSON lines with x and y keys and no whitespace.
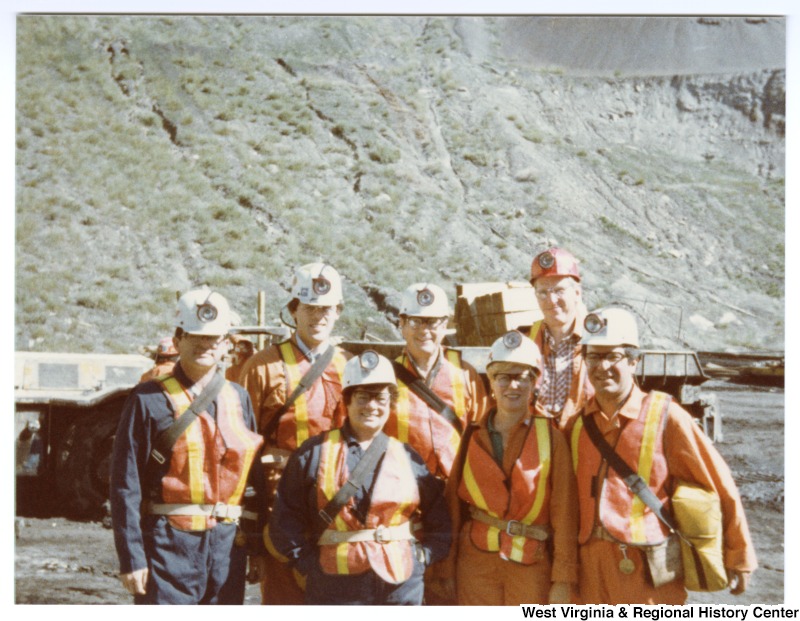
{"x":515,"y":528}
{"x":598,"y":532}
{"x":382,"y":534}
{"x":275,"y":457}
{"x":219,"y":511}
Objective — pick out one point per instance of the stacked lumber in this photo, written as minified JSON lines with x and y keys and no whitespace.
{"x":486,"y":311}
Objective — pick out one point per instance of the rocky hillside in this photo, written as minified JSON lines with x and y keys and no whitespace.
{"x":159,"y":153}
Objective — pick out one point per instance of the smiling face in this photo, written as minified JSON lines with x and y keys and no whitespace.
{"x":558,"y":298}
{"x":200,"y":353}
{"x":368,"y":410}
{"x":315,"y":323}
{"x":512,"y":386}
{"x":423,"y":335}
{"x":612,"y":381}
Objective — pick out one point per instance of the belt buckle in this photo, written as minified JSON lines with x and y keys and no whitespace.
{"x":220,"y":510}
{"x":514,"y":528}
{"x":379,"y":535}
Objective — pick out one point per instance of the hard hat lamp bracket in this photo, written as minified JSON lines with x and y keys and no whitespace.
{"x":206,"y":312}
{"x":369,"y":360}
{"x":512,"y":339}
{"x":594,"y":323}
{"x":321,"y":285}
{"x":425,"y":297}
{"x":546,"y":260}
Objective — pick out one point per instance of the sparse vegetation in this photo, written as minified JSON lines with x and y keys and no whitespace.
{"x":158,"y":153}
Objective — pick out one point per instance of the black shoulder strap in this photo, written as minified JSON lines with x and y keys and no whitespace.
{"x":316,"y":370}
{"x":163,"y":444}
{"x":419,"y":388}
{"x":365,"y":465}
{"x":634,"y":482}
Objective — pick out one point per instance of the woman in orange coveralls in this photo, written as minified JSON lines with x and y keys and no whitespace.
{"x":517,"y":493}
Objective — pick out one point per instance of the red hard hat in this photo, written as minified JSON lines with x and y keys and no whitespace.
{"x":166,"y":347}
{"x":554,"y":262}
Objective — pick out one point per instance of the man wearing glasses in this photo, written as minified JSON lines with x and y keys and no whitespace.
{"x":289,"y":411}
{"x":659,"y":441}
{"x":182,"y":456}
{"x":439,"y":394}
{"x":563,"y":387}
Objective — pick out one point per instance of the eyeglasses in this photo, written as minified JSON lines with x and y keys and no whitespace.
{"x":560,"y":292}
{"x":205,"y":339}
{"x":316,"y":311}
{"x":429,"y":322}
{"x":612,"y":358}
{"x":504,"y":379}
{"x":363,"y":397}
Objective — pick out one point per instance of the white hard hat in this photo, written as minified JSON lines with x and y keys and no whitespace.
{"x":202,"y":311}
{"x":368,"y":368}
{"x":424,"y":300}
{"x":610,"y":326}
{"x":515,"y":347}
{"x":317,"y":284}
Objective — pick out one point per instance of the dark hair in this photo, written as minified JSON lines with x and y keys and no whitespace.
{"x":178,"y":333}
{"x":295,"y":302}
{"x":347,"y":393}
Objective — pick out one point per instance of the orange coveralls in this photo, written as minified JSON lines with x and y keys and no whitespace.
{"x":484,"y":578}
{"x":690,"y":457}
{"x":267,"y":379}
{"x":429,"y":433}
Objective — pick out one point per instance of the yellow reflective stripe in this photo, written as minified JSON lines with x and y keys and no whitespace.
{"x":457,"y":383}
{"x":492,"y":535}
{"x":301,"y":403}
{"x":403,"y":411}
{"x":646,"y":453}
{"x":237,"y":425}
{"x":543,"y":443}
{"x":576,"y":436}
{"x":195,"y":450}
{"x":341,"y":558}
{"x":339,"y":361}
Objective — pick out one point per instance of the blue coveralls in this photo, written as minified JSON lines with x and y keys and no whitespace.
{"x":295,"y":527}
{"x":185,"y":567}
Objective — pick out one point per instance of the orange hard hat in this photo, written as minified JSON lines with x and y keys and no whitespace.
{"x":166,"y":347}
{"x":554,"y":262}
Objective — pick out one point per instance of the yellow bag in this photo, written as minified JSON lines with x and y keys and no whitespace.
{"x":699,"y":519}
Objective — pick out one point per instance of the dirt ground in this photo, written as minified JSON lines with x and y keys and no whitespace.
{"x":58,"y":561}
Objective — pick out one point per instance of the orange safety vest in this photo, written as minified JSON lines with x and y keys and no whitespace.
{"x":581,"y":389}
{"x":428,"y":432}
{"x":524,"y":497}
{"x":622,"y":513}
{"x":313,"y":411}
{"x":394,"y":498}
{"x":211,"y":460}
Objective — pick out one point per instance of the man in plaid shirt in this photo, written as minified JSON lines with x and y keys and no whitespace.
{"x":563,"y":386}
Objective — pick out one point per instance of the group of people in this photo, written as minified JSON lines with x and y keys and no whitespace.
{"x":347,"y":478}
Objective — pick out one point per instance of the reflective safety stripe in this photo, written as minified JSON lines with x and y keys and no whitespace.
{"x":575,"y":441}
{"x":492,"y":539}
{"x":403,"y":411}
{"x":231,"y":405}
{"x":331,"y":453}
{"x":543,"y":443}
{"x":649,"y":439}
{"x":195,"y":449}
{"x":301,"y":403}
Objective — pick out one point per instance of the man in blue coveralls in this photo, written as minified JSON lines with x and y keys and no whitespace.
{"x":176,"y":503}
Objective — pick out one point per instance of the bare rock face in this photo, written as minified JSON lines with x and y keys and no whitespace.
{"x":226,"y":150}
